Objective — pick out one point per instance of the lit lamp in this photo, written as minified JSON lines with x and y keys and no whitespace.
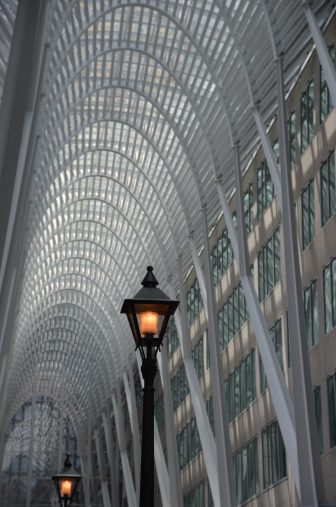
{"x":148,"y":314}
{"x":66,"y":483}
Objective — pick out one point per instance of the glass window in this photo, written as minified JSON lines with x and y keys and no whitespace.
{"x":248,"y":208}
{"x":159,"y":412}
{"x":329,"y":286}
{"x":318,"y":416}
{"x":232,"y":316}
{"x":274,"y":455}
{"x":246,"y":471}
{"x":198,"y":358}
{"x":221,"y":257}
{"x":240,"y":386}
{"x":325,"y":99}
{"x":332,"y":409}
{"x":179,"y":386}
{"x":194,"y":302}
{"x":188,"y":443}
{"x":275,"y":334}
{"x":171,"y":337}
{"x":292,"y":138}
{"x":265,"y":189}
{"x":195,"y":498}
{"x":307,"y":116}
{"x":308,"y":214}
{"x":311,"y":314}
{"x":269,"y":265}
{"x":328,"y":188}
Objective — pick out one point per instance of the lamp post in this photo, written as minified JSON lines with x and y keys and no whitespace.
{"x":148,"y":314}
{"x":66,"y":483}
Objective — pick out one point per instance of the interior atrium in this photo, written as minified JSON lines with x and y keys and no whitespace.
{"x":197,"y":137}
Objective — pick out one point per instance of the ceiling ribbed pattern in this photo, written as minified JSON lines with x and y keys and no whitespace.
{"x":7,"y":19}
{"x":142,"y":102}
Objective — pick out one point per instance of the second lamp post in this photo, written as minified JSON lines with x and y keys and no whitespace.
{"x":148,"y":314}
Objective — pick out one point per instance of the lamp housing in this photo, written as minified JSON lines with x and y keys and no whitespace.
{"x":66,"y":482}
{"x":148,"y":313}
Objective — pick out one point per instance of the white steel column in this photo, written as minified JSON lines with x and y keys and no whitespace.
{"x":60,"y":456}
{"x":101,"y":468}
{"x":268,"y":152}
{"x":201,"y":416}
{"x":31,"y":448}
{"x":128,"y":479}
{"x":282,"y":401}
{"x":199,"y":273}
{"x":227,"y":490}
{"x":307,"y":442}
{"x":322,"y":51}
{"x":133,"y":415}
{"x":85,"y":481}
{"x":89,"y":461}
{"x":160,"y":462}
{"x":111,"y":458}
{"x":176,"y":496}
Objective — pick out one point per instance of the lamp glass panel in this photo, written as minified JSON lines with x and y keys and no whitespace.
{"x":66,"y":487}
{"x":148,"y":323}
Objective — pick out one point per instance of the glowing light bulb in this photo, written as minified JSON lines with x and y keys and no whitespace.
{"x":66,"y":488}
{"x":149,"y":322}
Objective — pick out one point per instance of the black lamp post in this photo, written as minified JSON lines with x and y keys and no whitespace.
{"x":148,"y":314}
{"x":66,"y":483}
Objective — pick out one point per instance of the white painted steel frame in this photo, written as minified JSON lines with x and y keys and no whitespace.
{"x":160,"y":92}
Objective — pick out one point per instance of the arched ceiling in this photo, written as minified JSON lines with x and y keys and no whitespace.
{"x":142,"y":102}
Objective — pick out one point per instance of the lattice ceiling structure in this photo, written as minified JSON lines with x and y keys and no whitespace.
{"x":141,"y":103}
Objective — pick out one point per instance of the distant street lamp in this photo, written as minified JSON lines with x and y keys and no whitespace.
{"x":148,"y":314}
{"x":66,"y":483}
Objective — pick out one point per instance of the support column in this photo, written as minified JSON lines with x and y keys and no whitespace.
{"x":31,"y":448}
{"x":128,"y":479}
{"x":60,"y":456}
{"x":101,"y":468}
{"x":133,"y":415}
{"x":227,"y":490}
{"x":201,"y":416}
{"x":268,"y":152}
{"x":282,"y":401}
{"x":89,"y":461}
{"x":173,"y":462}
{"x":111,"y":458}
{"x":86,"y":481}
{"x":327,"y":65}
{"x":308,"y":454}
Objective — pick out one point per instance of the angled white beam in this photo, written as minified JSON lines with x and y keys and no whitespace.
{"x":199,"y":272}
{"x":85,"y":481}
{"x":128,"y":479}
{"x":201,"y":416}
{"x":227,"y":490}
{"x":311,"y":482}
{"x":327,"y":64}
{"x":268,"y":152}
{"x":89,"y":461}
{"x":61,"y":412}
{"x":170,"y":430}
{"x":31,"y":450}
{"x":133,"y":415}
{"x":111,"y":458}
{"x":282,"y":401}
{"x":101,"y":468}
{"x":159,"y":458}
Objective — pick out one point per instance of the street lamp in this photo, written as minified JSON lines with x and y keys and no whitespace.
{"x":66,"y":483}
{"x":148,"y":314}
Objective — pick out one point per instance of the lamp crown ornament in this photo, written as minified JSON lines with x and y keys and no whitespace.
{"x":67,"y":462}
{"x":150,"y":280}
